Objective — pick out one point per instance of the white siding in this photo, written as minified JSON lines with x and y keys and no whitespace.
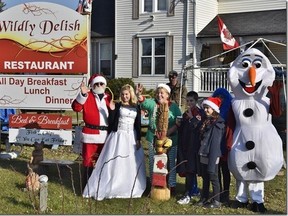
{"x":206,"y":10}
{"x":237,"y":6}
{"x":126,"y":28}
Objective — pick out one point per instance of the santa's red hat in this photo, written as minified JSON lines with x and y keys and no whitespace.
{"x":96,"y":78}
{"x":213,"y":102}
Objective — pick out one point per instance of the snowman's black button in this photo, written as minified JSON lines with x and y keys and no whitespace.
{"x":248,"y":112}
{"x":250,"y":145}
{"x":251,"y":165}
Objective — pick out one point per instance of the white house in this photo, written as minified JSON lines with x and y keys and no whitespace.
{"x":153,"y":37}
{"x":248,"y":21}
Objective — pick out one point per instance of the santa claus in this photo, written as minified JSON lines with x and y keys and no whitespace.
{"x":93,"y":102}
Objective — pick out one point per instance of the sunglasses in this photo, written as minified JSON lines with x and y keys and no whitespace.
{"x":172,"y":77}
{"x":99,"y":84}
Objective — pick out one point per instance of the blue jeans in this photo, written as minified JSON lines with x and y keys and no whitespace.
{"x":191,"y":184}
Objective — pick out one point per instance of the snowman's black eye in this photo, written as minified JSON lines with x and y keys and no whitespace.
{"x":257,"y":63}
{"x":246,"y":63}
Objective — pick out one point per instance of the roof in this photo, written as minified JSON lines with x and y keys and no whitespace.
{"x":249,"y":24}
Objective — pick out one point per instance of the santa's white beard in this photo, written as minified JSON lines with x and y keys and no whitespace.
{"x":98,"y":90}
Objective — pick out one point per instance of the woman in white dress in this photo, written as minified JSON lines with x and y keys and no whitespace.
{"x":120,"y":169}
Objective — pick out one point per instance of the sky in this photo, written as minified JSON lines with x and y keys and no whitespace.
{"x":68,"y":3}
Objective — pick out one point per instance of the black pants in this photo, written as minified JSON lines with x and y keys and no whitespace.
{"x":224,"y":178}
{"x":207,"y":178}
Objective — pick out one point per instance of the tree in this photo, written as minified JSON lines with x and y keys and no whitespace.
{"x":2,"y":5}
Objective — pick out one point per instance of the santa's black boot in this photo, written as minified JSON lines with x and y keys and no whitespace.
{"x":87,"y":171}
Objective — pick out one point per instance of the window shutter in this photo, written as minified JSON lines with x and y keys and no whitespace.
{"x":114,"y":57}
{"x":135,"y":9}
{"x":135,"y":57}
{"x":171,"y":8}
{"x":169,"y":54}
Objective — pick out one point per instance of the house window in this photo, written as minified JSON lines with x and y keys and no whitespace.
{"x":162,"y":5}
{"x":152,"y":56}
{"x":154,"y":5}
{"x":105,"y":60}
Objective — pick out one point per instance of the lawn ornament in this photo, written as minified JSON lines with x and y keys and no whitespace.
{"x":159,"y":190}
{"x":32,"y":180}
{"x":37,"y":156}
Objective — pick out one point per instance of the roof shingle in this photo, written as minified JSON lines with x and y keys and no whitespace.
{"x":249,"y":23}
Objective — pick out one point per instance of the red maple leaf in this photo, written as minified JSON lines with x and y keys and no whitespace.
{"x":227,"y":34}
{"x":160,"y":164}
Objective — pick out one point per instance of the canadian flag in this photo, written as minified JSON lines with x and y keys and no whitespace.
{"x":84,"y":6}
{"x":228,"y":40}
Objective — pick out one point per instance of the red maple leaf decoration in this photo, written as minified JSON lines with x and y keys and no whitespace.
{"x":160,"y":164}
{"x":227,"y":34}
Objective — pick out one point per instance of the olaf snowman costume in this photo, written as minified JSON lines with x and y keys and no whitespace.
{"x":256,"y":153}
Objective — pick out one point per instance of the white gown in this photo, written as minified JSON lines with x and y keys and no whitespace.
{"x":120,"y":169}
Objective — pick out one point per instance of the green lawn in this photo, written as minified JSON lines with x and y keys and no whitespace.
{"x":64,"y":193}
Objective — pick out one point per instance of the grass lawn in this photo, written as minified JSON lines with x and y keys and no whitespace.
{"x":64,"y":193}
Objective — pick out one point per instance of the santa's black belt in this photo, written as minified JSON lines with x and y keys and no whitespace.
{"x":96,"y":127}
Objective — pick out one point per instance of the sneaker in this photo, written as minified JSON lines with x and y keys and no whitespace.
{"x":196,"y":194}
{"x":214,"y":204}
{"x":202,"y":202}
{"x":236,"y":204}
{"x":184,"y":200}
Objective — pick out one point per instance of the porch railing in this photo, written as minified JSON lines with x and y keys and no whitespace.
{"x":213,"y":78}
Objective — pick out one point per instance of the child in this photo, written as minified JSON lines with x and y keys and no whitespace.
{"x":224,"y":172}
{"x":120,"y":169}
{"x":188,"y":147}
{"x":211,"y":134}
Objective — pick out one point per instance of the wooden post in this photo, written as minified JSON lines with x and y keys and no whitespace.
{"x":7,"y":145}
{"x":43,"y":196}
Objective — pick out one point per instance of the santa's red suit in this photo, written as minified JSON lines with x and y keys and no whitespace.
{"x":95,"y":117}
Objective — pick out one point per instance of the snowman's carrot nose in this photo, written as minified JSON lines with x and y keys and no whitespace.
{"x":252,"y":75}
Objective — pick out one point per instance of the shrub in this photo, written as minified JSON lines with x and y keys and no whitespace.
{"x":116,"y":84}
{"x":150,"y":92}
